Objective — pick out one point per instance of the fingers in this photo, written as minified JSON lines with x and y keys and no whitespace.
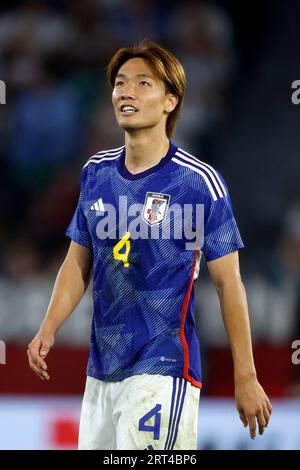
{"x":252,"y":426}
{"x":266,"y":416}
{"x":37,"y":364}
{"x":267,"y":411}
{"x":263,"y":418}
{"x":243,"y":418}
{"x":253,"y":406}
{"x":43,"y":375}
{"x":38,"y":367}
{"x":44,"y":351}
{"x":269,"y":407}
{"x":261,"y":422}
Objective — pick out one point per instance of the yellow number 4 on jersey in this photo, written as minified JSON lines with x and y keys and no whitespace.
{"x":116,"y":250}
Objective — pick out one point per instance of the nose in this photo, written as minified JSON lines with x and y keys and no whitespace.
{"x":128,"y":91}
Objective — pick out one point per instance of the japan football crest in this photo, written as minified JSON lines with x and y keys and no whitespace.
{"x":155,"y":208}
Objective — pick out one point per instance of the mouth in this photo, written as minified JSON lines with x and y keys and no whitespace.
{"x":127,"y":110}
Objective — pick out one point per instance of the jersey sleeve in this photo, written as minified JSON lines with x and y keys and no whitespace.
{"x":221,"y":233}
{"x":78,"y":229}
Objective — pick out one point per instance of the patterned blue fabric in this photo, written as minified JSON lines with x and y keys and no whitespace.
{"x":135,"y":226}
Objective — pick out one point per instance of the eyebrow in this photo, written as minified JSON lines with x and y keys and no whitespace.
{"x":137,"y":75}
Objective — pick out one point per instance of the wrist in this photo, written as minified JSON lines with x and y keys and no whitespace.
{"x":242,"y":376}
{"x":47,"y":329}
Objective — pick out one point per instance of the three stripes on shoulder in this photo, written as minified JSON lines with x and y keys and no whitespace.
{"x":210,"y":175}
{"x":105,"y":155}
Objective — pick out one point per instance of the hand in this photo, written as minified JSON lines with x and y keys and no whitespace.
{"x":252,"y":403}
{"x":37,"y":351}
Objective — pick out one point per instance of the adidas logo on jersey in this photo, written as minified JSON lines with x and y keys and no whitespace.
{"x":98,"y":205}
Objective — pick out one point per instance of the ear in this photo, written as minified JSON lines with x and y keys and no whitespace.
{"x":171,"y":102}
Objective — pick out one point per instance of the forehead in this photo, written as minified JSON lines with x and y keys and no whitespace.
{"x":137,"y":66}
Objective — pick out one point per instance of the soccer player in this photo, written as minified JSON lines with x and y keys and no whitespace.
{"x":146,"y":212}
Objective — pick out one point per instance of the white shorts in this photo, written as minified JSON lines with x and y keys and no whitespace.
{"x":141,"y":412}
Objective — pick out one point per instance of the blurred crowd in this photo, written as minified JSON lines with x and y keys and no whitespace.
{"x":58,"y":113}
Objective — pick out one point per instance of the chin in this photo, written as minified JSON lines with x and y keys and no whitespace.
{"x":126,"y":126}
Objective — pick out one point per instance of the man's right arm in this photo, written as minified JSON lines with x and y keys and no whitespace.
{"x":71,"y":283}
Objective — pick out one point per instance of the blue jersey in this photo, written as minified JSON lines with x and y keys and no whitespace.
{"x":147,"y":232}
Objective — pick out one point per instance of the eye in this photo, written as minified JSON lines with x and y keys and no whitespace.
{"x":119,"y":83}
{"x":143,"y":82}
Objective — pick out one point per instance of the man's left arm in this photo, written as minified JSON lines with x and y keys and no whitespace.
{"x":251,"y":401}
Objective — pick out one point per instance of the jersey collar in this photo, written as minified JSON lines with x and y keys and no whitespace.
{"x":164,"y":161}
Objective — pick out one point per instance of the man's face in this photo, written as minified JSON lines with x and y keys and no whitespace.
{"x":139,"y":98}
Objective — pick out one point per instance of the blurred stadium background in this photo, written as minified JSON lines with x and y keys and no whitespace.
{"x":241,"y":59}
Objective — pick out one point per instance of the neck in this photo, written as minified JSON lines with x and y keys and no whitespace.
{"x":144,"y":151}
